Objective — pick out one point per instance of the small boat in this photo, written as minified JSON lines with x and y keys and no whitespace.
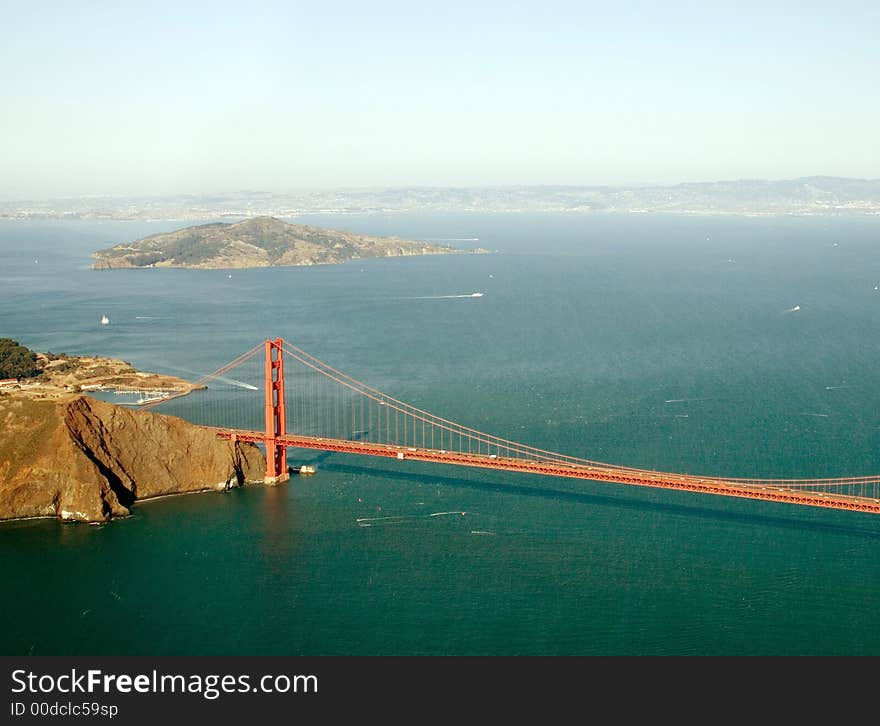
{"x":306,"y":470}
{"x":105,"y":320}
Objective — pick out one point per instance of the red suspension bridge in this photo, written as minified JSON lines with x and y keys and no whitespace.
{"x":330,"y":411}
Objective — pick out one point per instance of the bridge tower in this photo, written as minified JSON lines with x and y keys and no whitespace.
{"x":276,"y":454}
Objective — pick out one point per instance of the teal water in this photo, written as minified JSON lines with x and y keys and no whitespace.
{"x":656,"y":341}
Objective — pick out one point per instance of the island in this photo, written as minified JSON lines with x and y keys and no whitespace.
{"x":68,"y":455}
{"x":258,"y":242}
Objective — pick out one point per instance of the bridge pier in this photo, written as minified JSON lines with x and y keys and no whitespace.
{"x":276,"y":423}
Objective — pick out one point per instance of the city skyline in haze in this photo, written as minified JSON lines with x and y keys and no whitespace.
{"x":134,"y":98}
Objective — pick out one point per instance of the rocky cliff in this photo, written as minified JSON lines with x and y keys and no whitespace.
{"x":85,"y":460}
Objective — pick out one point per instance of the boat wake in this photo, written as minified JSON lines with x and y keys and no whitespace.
{"x":223,"y":379}
{"x":443,"y":297}
{"x":233,"y":382}
{"x":401,"y":518}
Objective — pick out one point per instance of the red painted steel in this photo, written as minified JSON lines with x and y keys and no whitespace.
{"x":634,"y":477}
{"x":508,"y":455}
{"x":276,"y":422}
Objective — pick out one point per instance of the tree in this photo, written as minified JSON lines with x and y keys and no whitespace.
{"x":16,"y":361}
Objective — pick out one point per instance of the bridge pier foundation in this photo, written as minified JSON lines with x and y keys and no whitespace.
{"x":273,"y":480}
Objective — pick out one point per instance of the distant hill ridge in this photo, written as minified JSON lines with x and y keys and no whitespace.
{"x":811,"y":195}
{"x":256,"y":242}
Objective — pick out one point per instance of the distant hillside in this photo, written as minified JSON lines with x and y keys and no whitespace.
{"x":257,"y":242}
{"x":814,"y":195}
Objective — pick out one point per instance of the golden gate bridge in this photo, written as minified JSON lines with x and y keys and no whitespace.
{"x":283,"y":397}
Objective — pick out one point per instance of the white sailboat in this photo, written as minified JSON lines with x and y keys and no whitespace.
{"x":105,"y":320}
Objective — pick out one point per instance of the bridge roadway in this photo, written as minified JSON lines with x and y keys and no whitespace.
{"x":770,"y":490}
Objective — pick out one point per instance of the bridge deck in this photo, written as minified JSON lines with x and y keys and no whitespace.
{"x":768,"y":491}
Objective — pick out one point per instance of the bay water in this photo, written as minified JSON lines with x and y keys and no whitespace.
{"x":709,"y":345}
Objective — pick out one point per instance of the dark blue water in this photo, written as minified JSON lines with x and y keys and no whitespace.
{"x":652,"y":341}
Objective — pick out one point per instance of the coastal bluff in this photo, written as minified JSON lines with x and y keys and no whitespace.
{"x":81,"y":459}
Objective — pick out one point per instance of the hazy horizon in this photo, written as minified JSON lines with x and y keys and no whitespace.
{"x":401,"y":187}
{"x":139,"y":99}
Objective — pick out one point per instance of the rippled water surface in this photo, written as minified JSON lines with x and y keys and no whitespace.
{"x":730,"y":346}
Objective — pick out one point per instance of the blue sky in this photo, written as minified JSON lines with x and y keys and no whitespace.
{"x":164,"y":98}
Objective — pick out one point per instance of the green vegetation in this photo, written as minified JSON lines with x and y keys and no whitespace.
{"x":190,"y":250}
{"x":16,"y":361}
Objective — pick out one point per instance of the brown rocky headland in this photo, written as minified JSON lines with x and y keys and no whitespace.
{"x":64,"y":454}
{"x":80,"y":459}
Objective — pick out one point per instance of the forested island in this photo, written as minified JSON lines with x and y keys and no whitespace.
{"x":257,"y":242}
